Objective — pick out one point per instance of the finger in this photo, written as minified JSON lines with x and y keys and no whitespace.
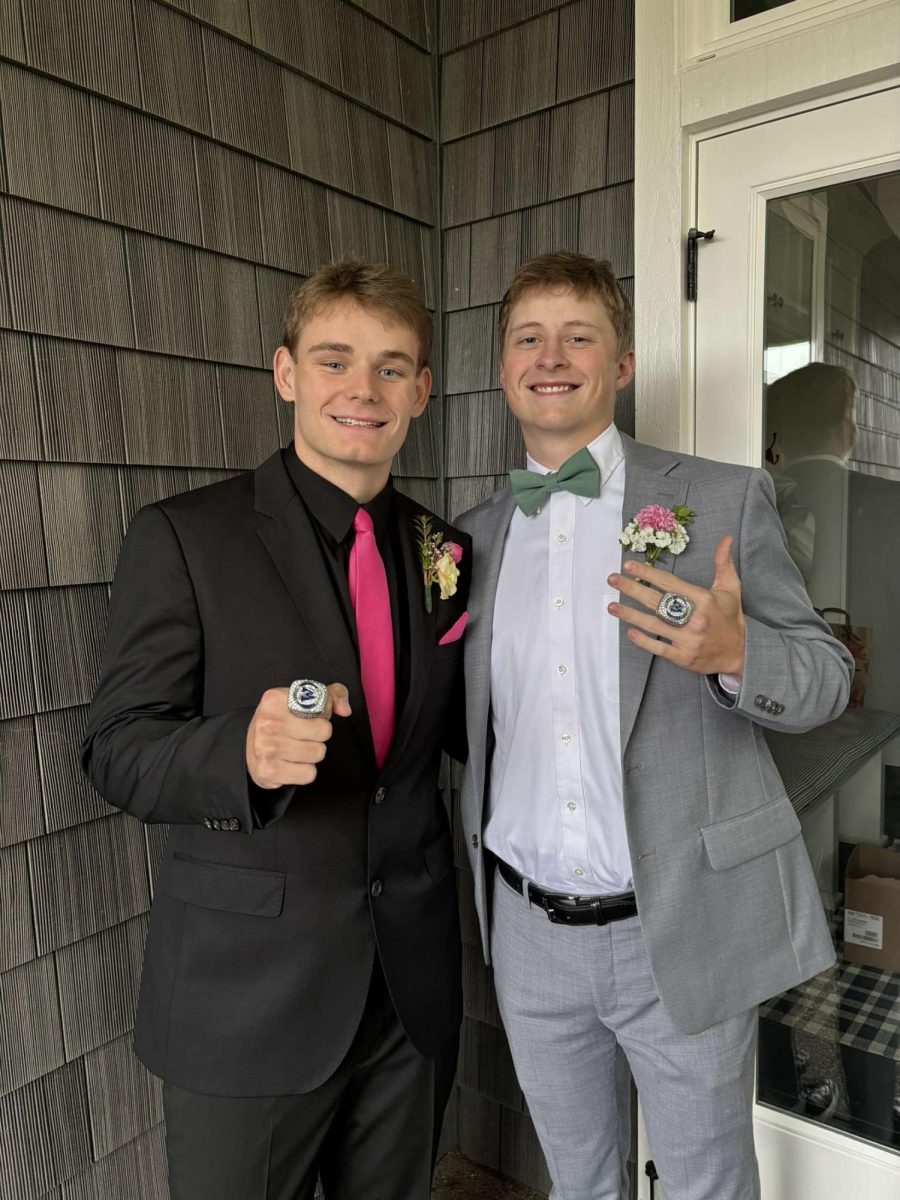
{"x":652,"y":645}
{"x":649,"y":623}
{"x":306,"y":729}
{"x":288,"y":751}
{"x":664,"y":580}
{"x":647,"y":596}
{"x":338,"y":700}
{"x":726,"y":575}
{"x":275,"y":775}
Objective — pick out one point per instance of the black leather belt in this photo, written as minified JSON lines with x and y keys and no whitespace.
{"x":572,"y":910}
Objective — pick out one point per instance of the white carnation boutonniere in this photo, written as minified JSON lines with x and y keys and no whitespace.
{"x":439,"y":561}
{"x":656,"y":530}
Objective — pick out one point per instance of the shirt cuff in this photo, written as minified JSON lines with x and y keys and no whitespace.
{"x":730,"y":684}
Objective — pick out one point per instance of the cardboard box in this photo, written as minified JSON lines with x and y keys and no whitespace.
{"x":872,"y":907}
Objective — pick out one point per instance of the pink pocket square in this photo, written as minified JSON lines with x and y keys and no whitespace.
{"x":455,"y":632}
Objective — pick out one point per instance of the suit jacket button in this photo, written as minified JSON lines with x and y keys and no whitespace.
{"x":760,"y":701}
{"x":234,"y":825}
{"x":380,"y":795}
{"x":207,"y":822}
{"x":475,"y":841}
{"x":216,"y":824}
{"x":377,"y":888}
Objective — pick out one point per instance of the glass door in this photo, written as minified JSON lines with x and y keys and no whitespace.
{"x":799,"y":373}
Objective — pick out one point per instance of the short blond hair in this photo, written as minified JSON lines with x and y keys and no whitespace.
{"x":373,"y":286}
{"x":579,"y":274}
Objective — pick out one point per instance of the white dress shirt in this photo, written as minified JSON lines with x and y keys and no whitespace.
{"x":556,"y":811}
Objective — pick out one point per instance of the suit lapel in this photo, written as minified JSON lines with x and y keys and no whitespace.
{"x":646,"y":482}
{"x":490,"y":539}
{"x":288,"y":536}
{"x":421,"y":629}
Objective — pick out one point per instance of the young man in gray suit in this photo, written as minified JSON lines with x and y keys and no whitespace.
{"x":640,"y":876}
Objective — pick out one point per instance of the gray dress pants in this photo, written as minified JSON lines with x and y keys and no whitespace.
{"x":572,"y":999}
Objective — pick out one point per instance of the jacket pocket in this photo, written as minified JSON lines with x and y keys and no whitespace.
{"x":439,"y":858}
{"x":232,"y":889}
{"x":738,"y":839}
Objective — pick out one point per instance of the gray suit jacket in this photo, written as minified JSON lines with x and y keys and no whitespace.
{"x":728,"y":902}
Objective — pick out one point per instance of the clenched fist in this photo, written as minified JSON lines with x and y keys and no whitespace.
{"x":284,"y":749}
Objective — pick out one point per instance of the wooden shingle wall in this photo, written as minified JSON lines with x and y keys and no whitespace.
{"x":167,"y":173}
{"x":536,"y":122}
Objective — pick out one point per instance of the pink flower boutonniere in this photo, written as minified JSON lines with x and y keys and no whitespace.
{"x":439,"y":560}
{"x":655,"y":530}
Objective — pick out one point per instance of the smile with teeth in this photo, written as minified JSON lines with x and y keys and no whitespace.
{"x":361,"y":424}
{"x":553,"y":389}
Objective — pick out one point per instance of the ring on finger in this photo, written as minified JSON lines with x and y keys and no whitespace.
{"x":307,"y":698}
{"x":674,"y":608}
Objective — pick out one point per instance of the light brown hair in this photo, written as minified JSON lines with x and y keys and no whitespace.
{"x":375,"y":287}
{"x":580,"y":274}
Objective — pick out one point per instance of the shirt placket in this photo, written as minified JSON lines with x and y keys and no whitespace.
{"x":563,"y":682}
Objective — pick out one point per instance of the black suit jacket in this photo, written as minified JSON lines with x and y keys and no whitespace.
{"x":267,"y":913}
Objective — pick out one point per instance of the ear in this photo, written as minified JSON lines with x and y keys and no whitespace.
{"x":625,"y":370}
{"x":423,"y":391}
{"x":283,"y":367}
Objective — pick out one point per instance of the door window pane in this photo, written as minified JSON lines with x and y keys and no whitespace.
{"x":830,"y":1049}
{"x":752,"y":8}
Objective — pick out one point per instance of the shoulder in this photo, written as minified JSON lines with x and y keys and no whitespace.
{"x":484,"y":513}
{"x":409,"y":510}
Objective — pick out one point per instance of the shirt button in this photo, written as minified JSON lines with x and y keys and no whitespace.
{"x":562,"y":537}
{"x":571,"y":806}
{"x":566,"y":738}
{"x":377,"y":888}
{"x":379,"y":795}
{"x":579,"y":872}
{"x":562,"y":668}
{"x":559,"y":602}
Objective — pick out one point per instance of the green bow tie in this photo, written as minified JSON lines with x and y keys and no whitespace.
{"x":578,"y":474}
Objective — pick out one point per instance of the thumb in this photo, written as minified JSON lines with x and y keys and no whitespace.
{"x":338,"y":701}
{"x":726,"y":576}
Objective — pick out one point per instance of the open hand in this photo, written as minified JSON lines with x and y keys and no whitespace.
{"x":712,"y":641}
{"x":284,"y":749}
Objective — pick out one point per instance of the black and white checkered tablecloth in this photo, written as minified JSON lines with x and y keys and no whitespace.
{"x":848,"y":1004}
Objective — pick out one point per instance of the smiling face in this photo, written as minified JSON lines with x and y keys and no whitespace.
{"x":561,"y":369}
{"x":355,"y":385}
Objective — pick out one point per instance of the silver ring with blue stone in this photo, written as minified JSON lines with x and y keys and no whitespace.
{"x":307,"y":698}
{"x":675,"y":609}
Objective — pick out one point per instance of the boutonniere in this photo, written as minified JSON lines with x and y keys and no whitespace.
{"x":439,"y":560}
{"x":655,"y":530}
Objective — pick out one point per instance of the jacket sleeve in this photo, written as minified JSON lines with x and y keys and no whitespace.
{"x":148,"y":748}
{"x":796,"y":675}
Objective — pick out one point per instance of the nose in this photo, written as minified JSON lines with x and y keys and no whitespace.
{"x":361,"y":386}
{"x":553,"y":355}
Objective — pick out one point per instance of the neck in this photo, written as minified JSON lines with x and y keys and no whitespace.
{"x":362,"y":482}
{"x":551,"y":452}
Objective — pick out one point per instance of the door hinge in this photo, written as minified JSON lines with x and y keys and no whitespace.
{"x":693,"y":237}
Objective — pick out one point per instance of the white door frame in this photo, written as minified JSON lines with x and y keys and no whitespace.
{"x":680,"y":93}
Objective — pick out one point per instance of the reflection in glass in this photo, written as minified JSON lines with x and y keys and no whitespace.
{"x":752,"y":8}
{"x":830,"y":1049}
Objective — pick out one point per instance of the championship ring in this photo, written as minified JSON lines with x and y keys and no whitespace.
{"x":307,"y":698}
{"x":675,"y":609}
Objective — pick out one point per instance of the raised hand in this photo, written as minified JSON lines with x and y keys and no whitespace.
{"x":284,"y":749}
{"x":712,"y":640}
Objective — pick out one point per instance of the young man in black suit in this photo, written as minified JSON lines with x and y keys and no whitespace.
{"x":301,"y":993}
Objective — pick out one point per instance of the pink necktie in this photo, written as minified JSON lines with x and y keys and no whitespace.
{"x":372,"y":606}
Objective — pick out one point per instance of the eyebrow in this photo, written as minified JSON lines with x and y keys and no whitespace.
{"x":539,"y":325}
{"x":345,"y":348}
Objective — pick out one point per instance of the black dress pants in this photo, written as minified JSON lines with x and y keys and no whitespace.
{"x":370,"y":1131}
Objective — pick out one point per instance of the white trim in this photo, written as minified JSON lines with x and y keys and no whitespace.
{"x":708,"y":30}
